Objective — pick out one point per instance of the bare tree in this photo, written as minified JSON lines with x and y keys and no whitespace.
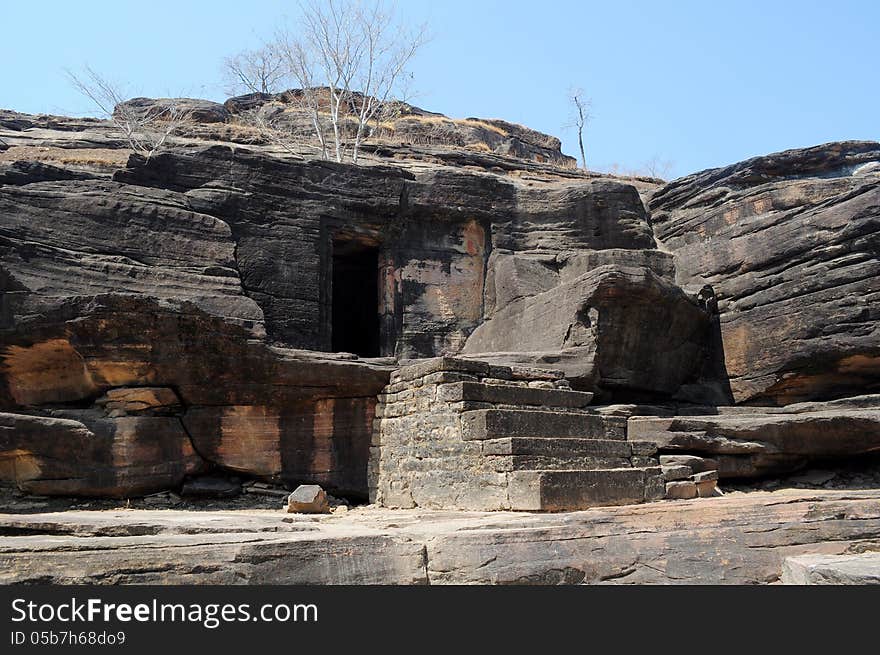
{"x":256,"y":71}
{"x":349,"y":58}
{"x":310,"y":98}
{"x":388,"y":50}
{"x":657,"y":167}
{"x":580,"y":106}
{"x":146,"y":128}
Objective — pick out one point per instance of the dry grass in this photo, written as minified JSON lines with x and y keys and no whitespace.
{"x":471,"y":122}
{"x":484,"y":125}
{"x":67,"y":156}
{"x":478,"y":147}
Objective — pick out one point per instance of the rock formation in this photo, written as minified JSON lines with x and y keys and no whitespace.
{"x":229,"y":306}
{"x":789,"y":243}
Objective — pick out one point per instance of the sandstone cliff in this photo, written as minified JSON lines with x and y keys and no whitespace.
{"x":227,"y":276}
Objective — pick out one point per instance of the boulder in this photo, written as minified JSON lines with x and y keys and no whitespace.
{"x":239,"y":104}
{"x":628,"y":333}
{"x":196,"y":110}
{"x":308,"y":499}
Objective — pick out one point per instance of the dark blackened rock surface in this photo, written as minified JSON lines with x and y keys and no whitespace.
{"x":790,"y":244}
{"x":435,"y":227}
{"x":200,"y":111}
{"x":28,"y":172}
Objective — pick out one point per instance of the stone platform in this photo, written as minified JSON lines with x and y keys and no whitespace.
{"x":467,"y":434}
{"x":742,"y":538}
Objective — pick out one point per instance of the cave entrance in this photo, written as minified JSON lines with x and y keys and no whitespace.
{"x":355,"y":312}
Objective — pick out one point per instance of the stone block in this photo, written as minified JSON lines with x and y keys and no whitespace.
{"x":511,"y":395}
{"x":676,"y":472}
{"x":681,"y":490}
{"x":308,"y":499}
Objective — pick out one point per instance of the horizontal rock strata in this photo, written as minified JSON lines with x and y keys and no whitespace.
{"x":739,"y":539}
{"x":789,"y":244}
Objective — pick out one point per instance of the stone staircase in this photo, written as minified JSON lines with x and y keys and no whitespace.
{"x":465,"y":434}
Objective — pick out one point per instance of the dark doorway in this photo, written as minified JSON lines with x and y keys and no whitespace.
{"x":355,"y":292}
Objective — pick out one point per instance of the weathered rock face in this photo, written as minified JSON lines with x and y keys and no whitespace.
{"x":625,"y":332}
{"x":87,"y":454}
{"x":83,"y":238}
{"x":168,"y":316}
{"x":403,"y":123}
{"x":200,"y":270}
{"x":739,"y":539}
{"x":197,"y":110}
{"x":790,"y":243}
{"x":281,"y":408}
{"x":289,"y":219}
{"x":748,"y":444}
{"x":845,"y":569}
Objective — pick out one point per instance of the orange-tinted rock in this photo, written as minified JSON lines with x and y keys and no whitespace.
{"x":89,"y":455}
{"x":140,"y":400}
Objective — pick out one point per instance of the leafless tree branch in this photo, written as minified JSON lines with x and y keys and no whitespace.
{"x":256,"y":71}
{"x":349,"y":59}
{"x":146,"y":129}
{"x":581,"y":106}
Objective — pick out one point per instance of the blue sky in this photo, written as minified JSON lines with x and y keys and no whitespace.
{"x":700,"y":84}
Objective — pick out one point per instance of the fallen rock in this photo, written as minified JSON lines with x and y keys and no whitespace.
{"x":83,"y":453}
{"x":308,"y":499}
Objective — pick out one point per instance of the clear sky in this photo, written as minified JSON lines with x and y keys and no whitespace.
{"x":700,"y":84}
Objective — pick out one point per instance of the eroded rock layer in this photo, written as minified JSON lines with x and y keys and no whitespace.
{"x":230,"y":309}
{"x":741,"y":539}
{"x":790,"y":243}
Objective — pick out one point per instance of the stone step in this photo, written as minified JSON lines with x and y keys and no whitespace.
{"x":557,"y":447}
{"x":557,"y":491}
{"x":503,"y":394}
{"x":508,"y":463}
{"x":533,"y":424}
